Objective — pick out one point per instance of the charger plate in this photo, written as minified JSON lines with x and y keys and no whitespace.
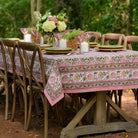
{"x":55,"y":50}
{"x":93,"y":44}
{"x":14,"y":39}
{"x":110,"y":49}
{"x":43,"y":46}
{"x":110,"y":46}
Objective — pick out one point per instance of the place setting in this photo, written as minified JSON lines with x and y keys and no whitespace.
{"x":110,"y":48}
{"x":93,"y":44}
{"x":57,"y":50}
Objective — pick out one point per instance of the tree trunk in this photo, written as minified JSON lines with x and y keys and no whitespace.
{"x":32,"y":11}
{"x":39,"y":5}
{"x":128,"y":19}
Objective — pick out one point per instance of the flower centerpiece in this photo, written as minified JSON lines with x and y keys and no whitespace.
{"x":48,"y":23}
{"x":71,"y":38}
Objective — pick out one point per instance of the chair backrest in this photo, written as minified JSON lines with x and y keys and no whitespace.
{"x":114,"y":37}
{"x":129,"y":40}
{"x":7,"y":49}
{"x":28,"y":52}
{"x":96,"y":35}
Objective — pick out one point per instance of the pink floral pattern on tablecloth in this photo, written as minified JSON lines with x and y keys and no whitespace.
{"x":93,"y":70}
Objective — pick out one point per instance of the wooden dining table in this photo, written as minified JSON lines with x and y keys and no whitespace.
{"x":94,"y":72}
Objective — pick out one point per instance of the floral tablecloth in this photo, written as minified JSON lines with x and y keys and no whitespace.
{"x":87,"y":72}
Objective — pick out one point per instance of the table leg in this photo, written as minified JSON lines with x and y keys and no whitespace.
{"x":100,"y":125}
{"x":100,"y":115}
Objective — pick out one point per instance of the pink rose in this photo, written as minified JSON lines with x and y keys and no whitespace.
{"x":135,"y":74}
{"x":90,"y":76}
{"x":53,"y":19}
{"x":91,"y":62}
{"x":76,"y":63}
{"x":52,"y":79}
{"x":81,"y":63}
{"x":123,"y":74}
{"x":65,"y":64}
{"x":107,"y":62}
{"x":65,"y":78}
{"x":122,"y":60}
{"x":60,"y":64}
{"x":77,"y":77}
{"x":136,"y":60}
{"x":96,"y":62}
{"x":100,"y":75}
{"x":113,"y":75}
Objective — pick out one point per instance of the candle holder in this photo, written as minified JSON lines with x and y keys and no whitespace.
{"x":83,"y":40}
{"x":63,"y":43}
{"x":84,"y":47}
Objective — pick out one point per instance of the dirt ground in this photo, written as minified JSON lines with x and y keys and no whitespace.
{"x":15,"y":129}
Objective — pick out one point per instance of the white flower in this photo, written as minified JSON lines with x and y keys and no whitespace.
{"x":48,"y":26}
{"x":61,"y":26}
{"x":37,"y":15}
{"x":44,"y":17}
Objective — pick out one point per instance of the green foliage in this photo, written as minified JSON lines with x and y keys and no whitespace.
{"x":13,"y":17}
{"x":134,"y":17}
{"x":73,"y":34}
{"x":90,"y":15}
{"x":105,"y":16}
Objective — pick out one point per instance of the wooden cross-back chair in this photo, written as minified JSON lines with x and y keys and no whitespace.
{"x":129,"y":40}
{"x":113,"y":37}
{"x":20,"y":87}
{"x":36,"y":87}
{"x":7,"y":49}
{"x":95,"y":35}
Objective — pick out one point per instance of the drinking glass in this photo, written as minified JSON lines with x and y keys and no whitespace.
{"x":36,"y":36}
{"x":24,"y":31}
{"x":87,"y":36}
{"x":58,"y":36}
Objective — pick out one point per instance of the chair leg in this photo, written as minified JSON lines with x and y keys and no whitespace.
{"x":29,"y":111}
{"x":7,"y":100}
{"x":135,"y":91}
{"x":120,"y":98}
{"x":14,"y":103}
{"x":114,"y":92}
{"x":45,"y":117}
{"x":25,"y":109}
{"x":137,"y":98}
{"x":10,"y":96}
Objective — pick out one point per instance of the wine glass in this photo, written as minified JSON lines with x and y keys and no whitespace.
{"x":36,"y":36}
{"x":79,"y":38}
{"x":24,"y":31}
{"x":58,"y":36}
{"x":87,"y":35}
